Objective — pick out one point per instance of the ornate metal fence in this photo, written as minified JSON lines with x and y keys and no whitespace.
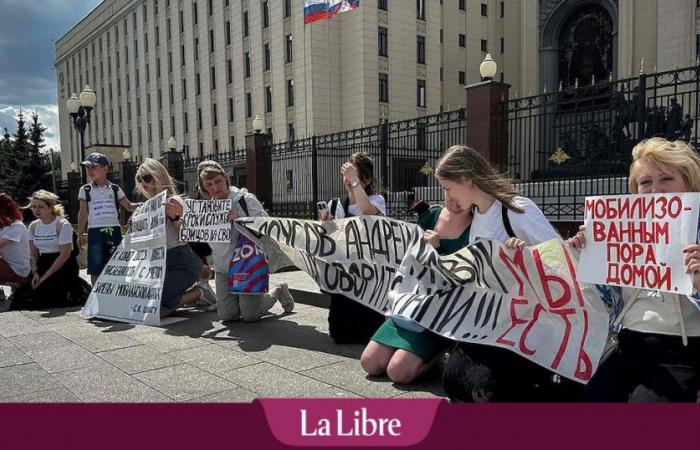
{"x":233,"y":162}
{"x":565,"y":145}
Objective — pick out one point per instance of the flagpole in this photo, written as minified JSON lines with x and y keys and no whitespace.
{"x":306,"y":95}
{"x":328,"y":48}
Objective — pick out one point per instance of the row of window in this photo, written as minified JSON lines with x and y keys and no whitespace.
{"x":384,"y":90}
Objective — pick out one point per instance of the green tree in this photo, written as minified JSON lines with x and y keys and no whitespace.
{"x":6,"y":174}
{"x":35,"y":168}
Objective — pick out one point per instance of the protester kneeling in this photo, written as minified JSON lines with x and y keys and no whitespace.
{"x":14,"y":245}
{"x":183,"y":267}
{"x":55,"y":279}
{"x":214,"y":184}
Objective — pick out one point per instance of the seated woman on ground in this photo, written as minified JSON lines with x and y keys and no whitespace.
{"x":396,"y":349}
{"x":657,"y":358}
{"x":182,"y":268}
{"x":14,"y":244}
{"x":55,"y":279}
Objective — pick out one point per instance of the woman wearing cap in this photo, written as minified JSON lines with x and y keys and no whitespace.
{"x":55,"y":279}
{"x":182,"y":268}
{"x":14,"y":244}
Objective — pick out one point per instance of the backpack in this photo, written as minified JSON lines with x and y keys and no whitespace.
{"x":506,"y":221}
{"x":115,"y":189}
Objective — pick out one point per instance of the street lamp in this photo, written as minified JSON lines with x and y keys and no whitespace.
{"x":172,"y":143}
{"x":126,"y":154}
{"x":488,"y":68}
{"x":79,"y":109}
{"x":258,"y":124}
{"x":73,"y":166}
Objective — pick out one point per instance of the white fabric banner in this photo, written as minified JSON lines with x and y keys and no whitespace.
{"x":206,"y":221}
{"x":130,"y":286}
{"x":637,"y":240}
{"x":526,"y":301}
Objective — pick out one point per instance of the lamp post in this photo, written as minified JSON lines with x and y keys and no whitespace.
{"x":488,"y":68}
{"x":126,"y":154}
{"x":258,"y":124}
{"x":79,"y":109}
{"x":172,"y":144}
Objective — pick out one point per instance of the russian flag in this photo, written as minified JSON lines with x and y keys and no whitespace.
{"x":315,"y":10}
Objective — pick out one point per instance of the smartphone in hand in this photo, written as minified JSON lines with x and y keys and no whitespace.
{"x":322,"y":208}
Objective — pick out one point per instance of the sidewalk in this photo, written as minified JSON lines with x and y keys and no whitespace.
{"x":56,"y":356}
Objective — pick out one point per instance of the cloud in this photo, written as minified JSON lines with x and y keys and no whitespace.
{"x":28,"y":30}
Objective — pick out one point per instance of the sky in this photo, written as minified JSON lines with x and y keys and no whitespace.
{"x":28,"y":29}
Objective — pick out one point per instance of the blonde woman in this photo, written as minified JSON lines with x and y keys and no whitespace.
{"x":214,"y":184}
{"x":501,"y":214}
{"x":55,"y":279}
{"x":182,"y":267}
{"x":658,"y":356}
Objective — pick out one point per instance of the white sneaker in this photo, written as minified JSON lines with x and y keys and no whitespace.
{"x":281,"y":293}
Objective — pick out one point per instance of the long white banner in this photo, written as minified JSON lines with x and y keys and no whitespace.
{"x":527,"y":301}
{"x":130,"y":286}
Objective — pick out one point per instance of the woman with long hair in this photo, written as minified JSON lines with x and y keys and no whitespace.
{"x":350,"y":322}
{"x":397,"y":348}
{"x":657,"y":358}
{"x":214,"y":184}
{"x":182,"y":267}
{"x":477,"y":372}
{"x":14,"y":243}
{"x":55,"y":279}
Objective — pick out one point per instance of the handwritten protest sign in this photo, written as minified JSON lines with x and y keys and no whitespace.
{"x":526,"y":301}
{"x":637,"y":240}
{"x":206,"y":221}
{"x":130,"y":286}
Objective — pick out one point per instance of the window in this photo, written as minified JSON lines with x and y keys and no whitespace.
{"x":209,"y":7}
{"x":462,"y":77}
{"x":289,"y":50}
{"x":184,"y":89}
{"x":172,"y":94}
{"x":228,"y":32}
{"x":484,"y":45}
{"x":247,"y":64}
{"x":383,"y":87}
{"x":167,"y":29}
{"x":216,"y":146}
{"x":383,"y":41}
{"x":287,"y":8}
{"x":215,"y":120}
{"x":245,"y":24}
{"x":462,"y":40}
{"x":230,"y":110}
{"x":196,"y":84}
{"x":462,"y":5}
{"x":441,"y":33}
{"x":229,"y":72}
{"x":268,"y":99}
{"x":211,"y":41}
{"x":182,"y":22}
{"x":170,"y":61}
{"x":502,"y":46}
{"x":248,"y":105}
{"x":157,"y":67}
{"x":484,"y":10}
{"x":194,"y":12}
{"x":266,"y":59}
{"x":196,"y":49}
{"x":160,"y":129}
{"x":383,"y":5}
{"x":265,"y":15}
{"x":420,"y":50}
{"x":199,"y":118}
{"x":182,"y":55}
{"x":420,"y":9}
{"x":157,"y":37}
{"x":503,"y":9}
{"x":212,"y":77}
{"x":185,"y":124}
{"x":290,"y":93}
{"x":421,"y":93}
{"x":290,"y":131}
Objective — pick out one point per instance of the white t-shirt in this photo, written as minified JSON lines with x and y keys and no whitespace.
{"x":530,"y":226}
{"x":16,"y":250}
{"x":102,"y":210}
{"x":44,"y":236}
{"x":376,"y":200}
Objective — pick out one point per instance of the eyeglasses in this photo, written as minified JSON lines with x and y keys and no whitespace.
{"x":148,"y":178}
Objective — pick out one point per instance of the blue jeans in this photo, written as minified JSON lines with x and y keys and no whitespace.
{"x":102,"y":242}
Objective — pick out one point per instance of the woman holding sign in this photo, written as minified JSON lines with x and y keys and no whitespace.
{"x":657,"y":358}
{"x":55,"y":279}
{"x":477,"y":372}
{"x":214,"y":184}
{"x":404,"y":350}
{"x":182,"y":266}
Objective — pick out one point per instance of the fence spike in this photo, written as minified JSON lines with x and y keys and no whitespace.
{"x":675,"y":65}
{"x":576,"y":83}
{"x":641,"y":67}
{"x":610,"y":77}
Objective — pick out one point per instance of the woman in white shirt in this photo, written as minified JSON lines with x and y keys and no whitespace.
{"x":350,"y":322}
{"x":658,"y":355}
{"x":14,"y":243}
{"x":182,"y":266}
{"x":55,"y":279}
{"x":476,"y":372}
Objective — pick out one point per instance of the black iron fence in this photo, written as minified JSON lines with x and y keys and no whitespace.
{"x":565,"y":145}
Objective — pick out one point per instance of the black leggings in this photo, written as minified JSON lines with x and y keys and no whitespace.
{"x":647,"y":368}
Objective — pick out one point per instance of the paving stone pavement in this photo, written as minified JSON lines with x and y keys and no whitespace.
{"x":56,"y":356}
